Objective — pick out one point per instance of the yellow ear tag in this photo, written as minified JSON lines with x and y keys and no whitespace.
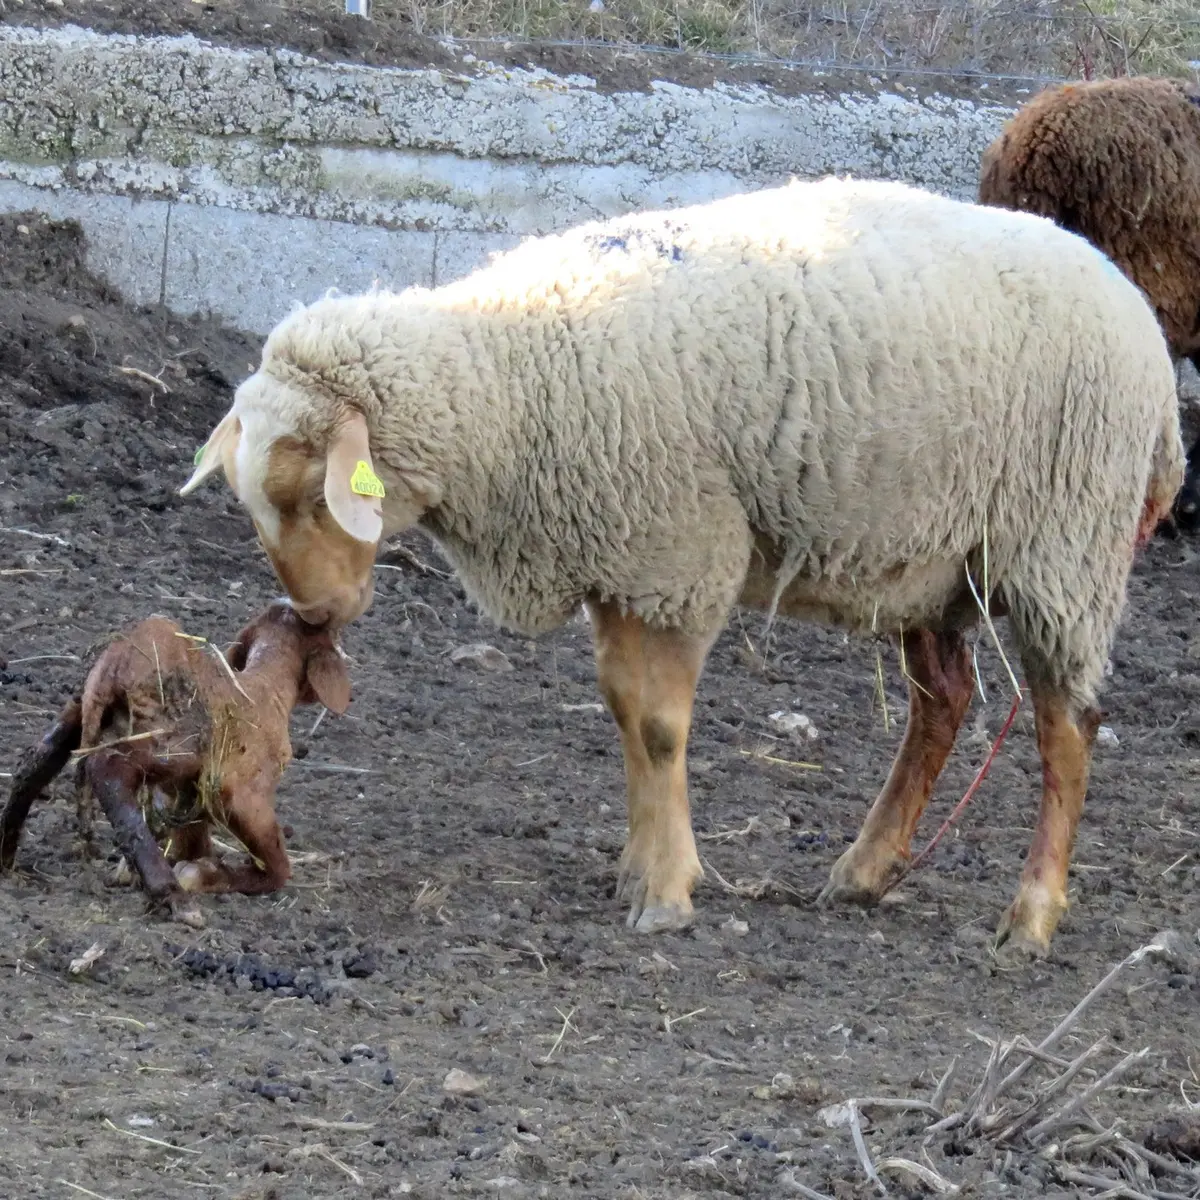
{"x":364,"y":481}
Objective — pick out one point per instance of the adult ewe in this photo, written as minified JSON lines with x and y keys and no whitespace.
{"x":829,"y":397}
{"x":1118,"y":162}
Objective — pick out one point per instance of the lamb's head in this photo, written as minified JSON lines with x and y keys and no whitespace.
{"x":306,"y":476}
{"x":279,"y":639}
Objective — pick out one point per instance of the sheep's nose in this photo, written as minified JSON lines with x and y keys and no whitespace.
{"x":339,"y":609}
{"x":317,"y":615}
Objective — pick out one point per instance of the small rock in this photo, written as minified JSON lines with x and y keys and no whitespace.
{"x":738,"y":928}
{"x":480,"y":654}
{"x":972,"y":935}
{"x":85,"y":960}
{"x":781,"y":1087}
{"x":359,"y":966}
{"x":1106,"y":737}
{"x":23,"y":230}
{"x":461,"y":1083}
{"x":795,"y":725}
{"x":835,"y":1116}
{"x":876,"y":936}
{"x":137,"y":1121}
{"x":1176,"y":1133}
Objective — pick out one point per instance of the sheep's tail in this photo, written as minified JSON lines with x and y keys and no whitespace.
{"x":1167,"y":470}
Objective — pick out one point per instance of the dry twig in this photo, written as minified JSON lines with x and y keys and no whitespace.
{"x":1051,"y":1120}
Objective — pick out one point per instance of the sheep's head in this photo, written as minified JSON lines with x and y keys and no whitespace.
{"x":316,"y":503}
{"x":279,"y":633}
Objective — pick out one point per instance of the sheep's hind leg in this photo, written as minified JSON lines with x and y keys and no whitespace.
{"x":33,"y":774}
{"x":115,"y":785}
{"x":1065,"y":744}
{"x":939,"y":693}
{"x":648,"y":679}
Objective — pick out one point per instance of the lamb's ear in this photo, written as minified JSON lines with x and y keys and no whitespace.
{"x":219,"y":449}
{"x":327,"y":678}
{"x":352,"y":489}
{"x":238,"y":651}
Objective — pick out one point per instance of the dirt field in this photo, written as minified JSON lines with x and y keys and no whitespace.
{"x":455,"y":838}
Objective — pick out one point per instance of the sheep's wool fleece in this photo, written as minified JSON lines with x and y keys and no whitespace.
{"x":826,"y":396}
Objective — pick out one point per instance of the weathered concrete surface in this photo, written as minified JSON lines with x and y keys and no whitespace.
{"x":248,"y":268}
{"x":499,"y":151}
{"x":252,"y":179}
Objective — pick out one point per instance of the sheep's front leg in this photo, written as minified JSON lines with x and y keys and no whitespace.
{"x":249,"y":814}
{"x":648,"y":679}
{"x":1065,"y":744}
{"x":939,"y":693}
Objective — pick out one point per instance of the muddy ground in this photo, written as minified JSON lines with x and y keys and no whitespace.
{"x":455,"y":838}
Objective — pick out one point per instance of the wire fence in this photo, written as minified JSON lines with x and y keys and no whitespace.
{"x":1017,"y":41}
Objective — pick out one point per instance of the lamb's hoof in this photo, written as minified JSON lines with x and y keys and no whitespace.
{"x":189,"y":876}
{"x":661,"y":918}
{"x":187,"y":912}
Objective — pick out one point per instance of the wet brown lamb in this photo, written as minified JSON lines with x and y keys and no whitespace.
{"x":166,"y":726}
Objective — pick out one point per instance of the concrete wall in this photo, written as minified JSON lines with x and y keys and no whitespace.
{"x":239,"y":182}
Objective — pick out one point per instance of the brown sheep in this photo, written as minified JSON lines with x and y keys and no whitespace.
{"x":1118,"y":162}
{"x":167,"y":728}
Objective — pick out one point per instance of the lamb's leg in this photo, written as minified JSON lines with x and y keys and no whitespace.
{"x":648,"y":679}
{"x":939,"y":693}
{"x":190,"y":841}
{"x":1065,"y":744}
{"x":85,"y":811}
{"x":250,"y":817}
{"x":37,"y":768}
{"x":115,"y":783}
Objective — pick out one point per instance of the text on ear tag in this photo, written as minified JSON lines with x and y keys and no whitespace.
{"x":364,"y":481}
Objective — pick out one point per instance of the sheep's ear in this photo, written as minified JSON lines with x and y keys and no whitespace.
{"x":219,"y":449}
{"x":327,"y":678}
{"x":352,"y":489}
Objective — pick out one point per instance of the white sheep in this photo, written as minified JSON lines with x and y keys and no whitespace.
{"x":828,"y":399}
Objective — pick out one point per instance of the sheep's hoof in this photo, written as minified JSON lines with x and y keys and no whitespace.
{"x":860,"y":878}
{"x":1017,"y":948}
{"x":660,"y":918}
{"x":1026,"y":928}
